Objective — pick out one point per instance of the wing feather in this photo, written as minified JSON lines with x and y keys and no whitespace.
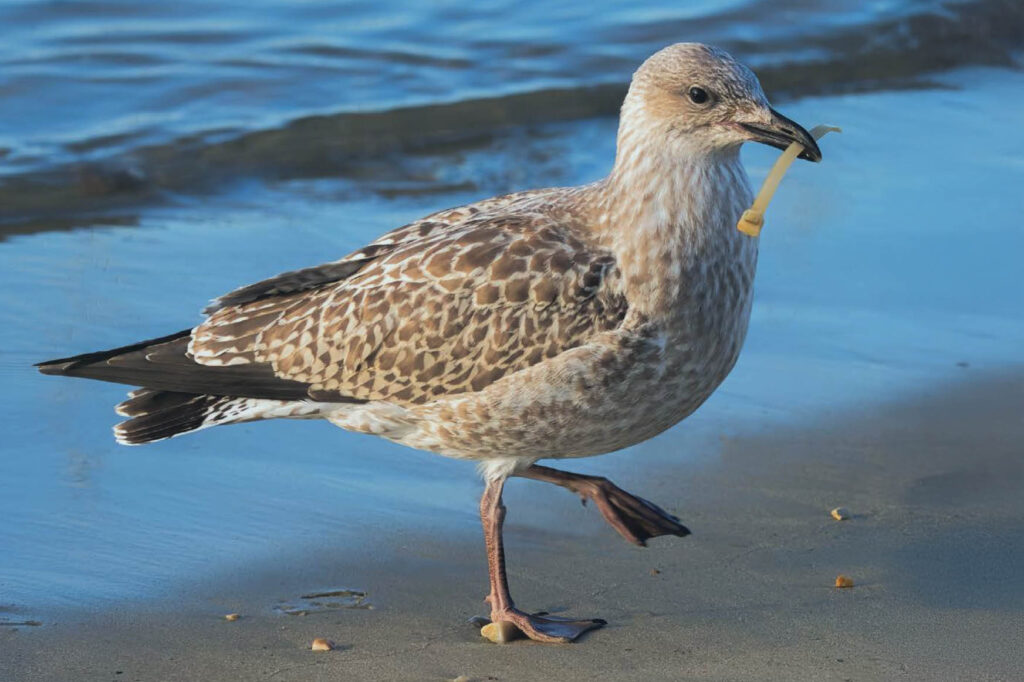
{"x":443,"y":305}
{"x":443,"y":312}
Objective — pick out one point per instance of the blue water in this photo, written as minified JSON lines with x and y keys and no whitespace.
{"x":889,"y":270}
{"x":80,"y":79}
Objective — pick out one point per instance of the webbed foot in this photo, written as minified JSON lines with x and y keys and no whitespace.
{"x":636,"y":519}
{"x":512,"y":623}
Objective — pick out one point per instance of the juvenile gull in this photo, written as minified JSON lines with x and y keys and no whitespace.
{"x":552,"y":323}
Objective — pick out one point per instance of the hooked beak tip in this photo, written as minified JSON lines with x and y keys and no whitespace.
{"x":780,"y":132}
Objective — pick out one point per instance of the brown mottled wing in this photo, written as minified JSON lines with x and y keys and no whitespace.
{"x":448,"y":312}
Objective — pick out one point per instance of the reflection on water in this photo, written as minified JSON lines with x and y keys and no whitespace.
{"x":887,"y":268}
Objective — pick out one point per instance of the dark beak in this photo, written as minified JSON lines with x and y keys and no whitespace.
{"x":780,"y":132}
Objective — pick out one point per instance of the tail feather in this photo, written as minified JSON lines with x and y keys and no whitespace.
{"x":179,"y":395}
{"x":156,"y":415}
{"x":145,"y":401}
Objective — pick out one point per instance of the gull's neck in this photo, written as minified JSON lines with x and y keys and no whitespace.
{"x":668,"y":212}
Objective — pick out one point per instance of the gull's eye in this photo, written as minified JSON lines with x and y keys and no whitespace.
{"x":698,"y":95}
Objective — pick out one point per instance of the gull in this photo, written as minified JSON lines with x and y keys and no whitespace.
{"x":546,"y":324}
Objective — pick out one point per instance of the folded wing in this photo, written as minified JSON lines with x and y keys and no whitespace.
{"x":445,"y":313}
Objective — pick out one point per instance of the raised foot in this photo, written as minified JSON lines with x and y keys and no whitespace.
{"x":514,"y":623}
{"x":636,"y":519}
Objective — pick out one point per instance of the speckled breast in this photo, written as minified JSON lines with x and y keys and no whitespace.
{"x":622,"y":388}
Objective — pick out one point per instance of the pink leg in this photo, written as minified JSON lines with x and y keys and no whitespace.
{"x":540,"y":628}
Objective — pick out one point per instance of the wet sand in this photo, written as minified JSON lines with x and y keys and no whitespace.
{"x":935,"y":545}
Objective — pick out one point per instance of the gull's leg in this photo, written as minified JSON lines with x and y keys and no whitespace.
{"x":540,"y":628}
{"x":633,"y":517}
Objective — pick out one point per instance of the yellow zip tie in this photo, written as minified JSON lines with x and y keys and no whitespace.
{"x":753,"y":218}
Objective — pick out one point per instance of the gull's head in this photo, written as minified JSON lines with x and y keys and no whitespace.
{"x":695,"y":99}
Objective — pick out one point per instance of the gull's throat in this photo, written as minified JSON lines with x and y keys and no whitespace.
{"x":667,"y":215}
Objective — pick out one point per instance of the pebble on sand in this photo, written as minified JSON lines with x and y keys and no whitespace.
{"x":844,"y":581}
{"x":321,"y":644}
{"x":232,"y":616}
{"x":500,"y":632}
{"x":840,"y":513}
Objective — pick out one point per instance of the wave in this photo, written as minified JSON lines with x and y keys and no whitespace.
{"x":900,"y":52}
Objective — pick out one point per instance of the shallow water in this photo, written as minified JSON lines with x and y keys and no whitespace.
{"x":109,"y":106}
{"x":889,"y":269}
{"x":84,"y":79}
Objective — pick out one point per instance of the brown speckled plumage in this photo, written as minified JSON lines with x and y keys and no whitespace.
{"x":445,"y":307}
{"x":560,"y":322}
{"x":554,"y":323}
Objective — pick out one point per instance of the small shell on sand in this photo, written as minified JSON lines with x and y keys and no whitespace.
{"x":321,"y":644}
{"x":500,"y":632}
{"x":232,"y":617}
{"x":840,"y":513}
{"x":844,"y":581}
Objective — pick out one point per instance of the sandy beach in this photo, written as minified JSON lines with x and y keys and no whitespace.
{"x":934,"y":545}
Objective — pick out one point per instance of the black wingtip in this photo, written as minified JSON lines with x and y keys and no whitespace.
{"x":62,"y":366}
{"x":53,"y":367}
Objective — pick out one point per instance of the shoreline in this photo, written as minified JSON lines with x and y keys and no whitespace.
{"x":935,"y":485}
